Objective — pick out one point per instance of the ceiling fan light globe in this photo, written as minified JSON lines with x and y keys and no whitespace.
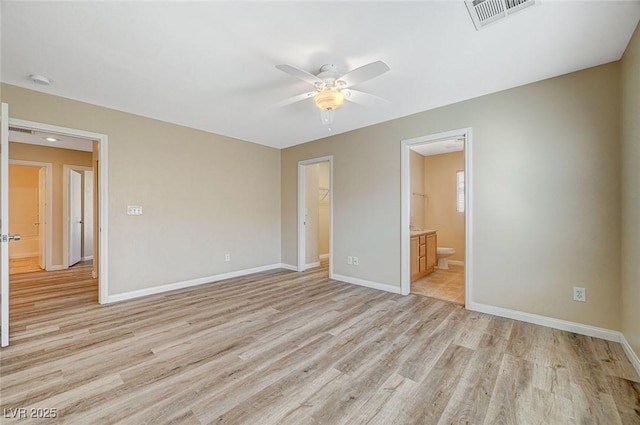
{"x":327,"y":116}
{"x":329,"y":99}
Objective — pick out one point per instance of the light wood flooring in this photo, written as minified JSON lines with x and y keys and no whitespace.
{"x":447,"y":285}
{"x":283,"y":347}
{"x":24,"y":265}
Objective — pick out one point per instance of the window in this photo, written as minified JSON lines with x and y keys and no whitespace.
{"x":460,"y":191}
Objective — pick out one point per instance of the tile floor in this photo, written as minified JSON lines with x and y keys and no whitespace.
{"x":445,"y":285}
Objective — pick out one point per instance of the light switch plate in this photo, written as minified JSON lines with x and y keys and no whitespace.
{"x":134,"y":210}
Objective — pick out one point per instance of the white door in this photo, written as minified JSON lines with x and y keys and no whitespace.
{"x":75,"y":217}
{"x":4,"y":226}
{"x":42,"y":196}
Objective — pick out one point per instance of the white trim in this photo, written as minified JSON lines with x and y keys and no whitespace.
{"x":550,"y":322}
{"x":103,"y":195}
{"x":301,"y":223}
{"x":323,"y":256}
{"x":366,"y":283}
{"x":5,"y":322}
{"x":456,"y":262}
{"x":301,"y":208}
{"x":631,"y":355}
{"x":289,"y":267}
{"x":405,"y":261}
{"x":56,"y":267}
{"x":48,"y":212}
{"x":189,"y":283}
{"x":312,"y":265}
{"x":564,"y":325}
{"x":87,"y":258}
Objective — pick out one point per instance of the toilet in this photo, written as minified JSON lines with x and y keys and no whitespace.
{"x":444,"y":252}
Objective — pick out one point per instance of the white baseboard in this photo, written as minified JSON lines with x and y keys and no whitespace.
{"x":87,"y":258}
{"x":56,"y":267}
{"x":367,"y":283}
{"x":312,"y":265}
{"x":631,"y":355}
{"x":288,"y":267}
{"x":24,"y":255}
{"x":550,"y":322}
{"x":323,"y":256}
{"x":456,"y":262}
{"x":187,"y":283}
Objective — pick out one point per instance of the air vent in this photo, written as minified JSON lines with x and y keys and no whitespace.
{"x":485,"y":12}
{"x":21,"y":130}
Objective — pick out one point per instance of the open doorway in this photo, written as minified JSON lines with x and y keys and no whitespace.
{"x":78,"y":213}
{"x":436,"y":215}
{"x":69,"y":168}
{"x":315,"y":202}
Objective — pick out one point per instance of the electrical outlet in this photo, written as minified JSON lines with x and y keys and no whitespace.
{"x":355,"y":261}
{"x":227,"y":257}
{"x":579,"y":294}
{"x":349,"y":259}
{"x":134,"y":210}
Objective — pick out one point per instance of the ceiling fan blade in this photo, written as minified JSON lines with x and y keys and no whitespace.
{"x":364,"y":73}
{"x":299,"y":73}
{"x":362,"y":98}
{"x":294,"y":99}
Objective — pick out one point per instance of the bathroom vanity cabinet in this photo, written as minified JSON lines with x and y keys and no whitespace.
{"x":424,"y":246}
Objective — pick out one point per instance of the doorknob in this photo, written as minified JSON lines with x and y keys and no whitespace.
{"x":14,"y":237}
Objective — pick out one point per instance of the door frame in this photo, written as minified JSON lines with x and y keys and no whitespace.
{"x":103,"y":193}
{"x":48,"y":228}
{"x":301,"y":209}
{"x":405,"y":147}
{"x":5,"y":324}
{"x":66,"y":233}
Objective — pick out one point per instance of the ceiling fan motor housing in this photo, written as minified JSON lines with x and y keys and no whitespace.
{"x":328,"y":73}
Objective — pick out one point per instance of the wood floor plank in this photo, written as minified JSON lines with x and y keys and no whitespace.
{"x":286,"y":348}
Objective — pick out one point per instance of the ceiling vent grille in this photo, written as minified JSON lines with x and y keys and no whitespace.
{"x":21,"y":130}
{"x":485,"y":12}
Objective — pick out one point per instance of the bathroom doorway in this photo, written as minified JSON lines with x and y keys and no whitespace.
{"x":436,"y":216}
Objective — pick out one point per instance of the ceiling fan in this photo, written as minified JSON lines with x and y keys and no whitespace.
{"x":331,"y":89}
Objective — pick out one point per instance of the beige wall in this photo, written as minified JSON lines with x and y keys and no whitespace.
{"x":417,"y":200}
{"x":23,"y":210}
{"x":631,"y":192}
{"x":546,"y":209}
{"x":58,"y":157}
{"x":440,"y":183}
{"x":203,"y":195}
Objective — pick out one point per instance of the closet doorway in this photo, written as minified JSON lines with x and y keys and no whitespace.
{"x":315,"y":213}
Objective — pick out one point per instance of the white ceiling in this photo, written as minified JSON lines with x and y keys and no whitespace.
{"x":62,"y":141}
{"x":211,"y":65}
{"x":439,"y":147}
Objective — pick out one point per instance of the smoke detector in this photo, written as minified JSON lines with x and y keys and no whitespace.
{"x":485,"y":12}
{"x":40,"y":79}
